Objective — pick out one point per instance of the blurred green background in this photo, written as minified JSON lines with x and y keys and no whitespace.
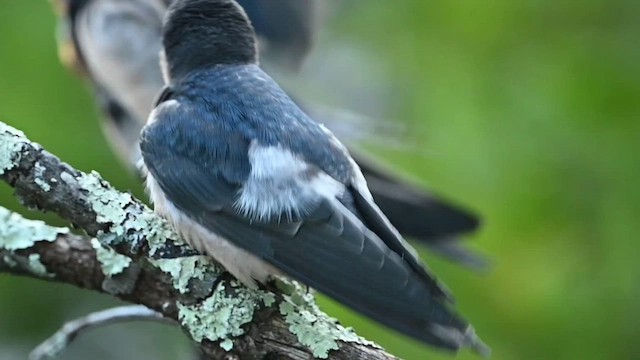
{"x":528,"y":112}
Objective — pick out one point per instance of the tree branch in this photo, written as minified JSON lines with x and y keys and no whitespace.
{"x":64,"y":336}
{"x":133,"y":255}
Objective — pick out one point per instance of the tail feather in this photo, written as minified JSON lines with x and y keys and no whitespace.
{"x":452,"y":249}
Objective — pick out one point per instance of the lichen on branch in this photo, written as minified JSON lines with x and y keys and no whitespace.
{"x":131,"y":253}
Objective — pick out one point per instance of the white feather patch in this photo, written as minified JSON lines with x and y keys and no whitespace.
{"x":280,"y":183}
{"x":245,"y":266}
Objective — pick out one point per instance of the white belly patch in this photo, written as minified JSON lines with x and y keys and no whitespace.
{"x":243,"y":265}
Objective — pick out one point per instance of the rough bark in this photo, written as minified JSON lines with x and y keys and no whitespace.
{"x":129,"y":253}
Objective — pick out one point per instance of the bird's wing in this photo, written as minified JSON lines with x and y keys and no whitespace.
{"x":437,"y":217}
{"x":415,"y":212}
{"x":295,"y":216}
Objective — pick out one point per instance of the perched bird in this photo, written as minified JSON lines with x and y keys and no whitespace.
{"x":116,"y":43}
{"x":247,"y":177}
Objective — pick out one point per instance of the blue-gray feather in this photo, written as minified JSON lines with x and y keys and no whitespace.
{"x":244,"y":101}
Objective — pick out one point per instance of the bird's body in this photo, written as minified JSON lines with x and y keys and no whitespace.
{"x":246,"y":176}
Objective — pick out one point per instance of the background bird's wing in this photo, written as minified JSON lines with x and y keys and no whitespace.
{"x":286,"y":27}
{"x":121,"y":126}
{"x":418,"y":214}
{"x":435,"y":217}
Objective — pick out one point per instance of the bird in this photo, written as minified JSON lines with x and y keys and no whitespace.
{"x":285,"y":28}
{"x":244,"y":175}
{"x":116,"y":44}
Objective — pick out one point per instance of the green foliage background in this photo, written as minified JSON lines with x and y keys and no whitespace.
{"x":530,"y":114}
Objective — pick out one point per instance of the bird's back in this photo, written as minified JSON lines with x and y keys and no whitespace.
{"x":234,"y":154}
{"x":244,"y":101}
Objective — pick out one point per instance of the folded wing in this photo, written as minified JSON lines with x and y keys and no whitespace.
{"x":332,"y":238}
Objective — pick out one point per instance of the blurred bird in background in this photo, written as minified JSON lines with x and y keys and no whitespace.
{"x":116,"y":45}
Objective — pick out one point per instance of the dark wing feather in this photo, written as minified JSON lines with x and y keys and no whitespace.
{"x":379,"y":224}
{"x":415,"y":212}
{"x":422,"y":216}
{"x":201,"y":171}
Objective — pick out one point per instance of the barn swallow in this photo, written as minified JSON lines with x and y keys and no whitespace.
{"x":245,"y":176}
{"x":116,"y":43}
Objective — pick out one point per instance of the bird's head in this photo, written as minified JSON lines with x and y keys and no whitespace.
{"x":200,"y":34}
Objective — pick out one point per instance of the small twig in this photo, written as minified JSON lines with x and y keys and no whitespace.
{"x":59,"y":341}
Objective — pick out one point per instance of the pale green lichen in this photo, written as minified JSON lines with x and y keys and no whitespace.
{"x":268,"y":299}
{"x":125,"y":219}
{"x":18,"y":233}
{"x":221,"y":316}
{"x":39,"y":177}
{"x":111,"y":262}
{"x":11,"y":144}
{"x":313,"y":328}
{"x":226,"y":345}
{"x":9,"y":261}
{"x":107,"y":203}
{"x":156,"y":231}
{"x":183,"y":270}
{"x":37,"y":267}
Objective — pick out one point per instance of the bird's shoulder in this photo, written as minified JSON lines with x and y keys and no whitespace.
{"x":180,"y":134}
{"x":228,"y":108}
